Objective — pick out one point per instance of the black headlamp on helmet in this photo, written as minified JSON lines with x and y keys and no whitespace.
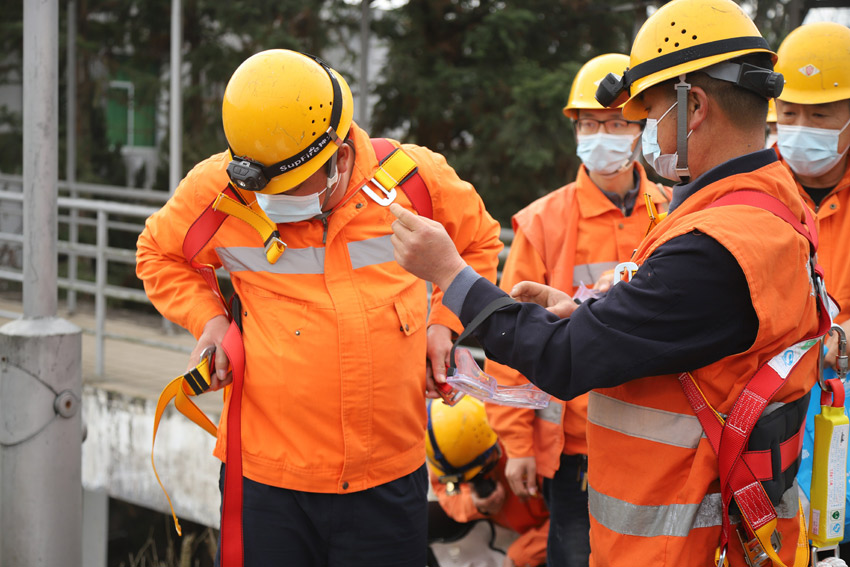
{"x":612,"y":91}
{"x":247,"y":174}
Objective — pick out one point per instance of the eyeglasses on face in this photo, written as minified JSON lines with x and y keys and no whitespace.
{"x":611,"y":126}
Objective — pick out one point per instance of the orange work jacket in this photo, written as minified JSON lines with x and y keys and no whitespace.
{"x":529,"y":518}
{"x":833,"y":221}
{"x":564,"y":239}
{"x":654,"y":493}
{"x":334,"y":332}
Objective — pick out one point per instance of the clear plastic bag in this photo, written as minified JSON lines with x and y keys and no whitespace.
{"x":471,"y":380}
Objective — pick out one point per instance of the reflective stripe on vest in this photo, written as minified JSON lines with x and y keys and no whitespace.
{"x":551,"y":413}
{"x":673,"y":520}
{"x":363,"y":253}
{"x":669,"y":428}
{"x":588,"y":274}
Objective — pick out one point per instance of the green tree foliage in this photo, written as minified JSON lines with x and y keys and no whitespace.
{"x":130,"y":39}
{"x":484,"y":82}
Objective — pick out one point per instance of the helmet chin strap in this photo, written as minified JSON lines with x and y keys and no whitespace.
{"x":682,"y":90}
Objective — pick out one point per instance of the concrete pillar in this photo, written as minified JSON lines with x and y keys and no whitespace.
{"x":40,"y":354}
{"x":40,"y":443}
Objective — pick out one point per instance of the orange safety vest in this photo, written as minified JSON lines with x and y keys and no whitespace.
{"x":833,"y":221}
{"x":654,"y":488}
{"x":529,"y":518}
{"x":567,"y":238}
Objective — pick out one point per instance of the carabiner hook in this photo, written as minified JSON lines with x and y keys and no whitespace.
{"x":841,"y":359}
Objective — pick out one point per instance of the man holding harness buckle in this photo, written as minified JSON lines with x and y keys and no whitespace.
{"x":700,"y":366}
{"x":328,"y":336}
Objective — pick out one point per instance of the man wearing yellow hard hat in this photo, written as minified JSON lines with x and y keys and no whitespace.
{"x":712,"y":322}
{"x":466,"y":462}
{"x":324,"y":347}
{"x":813,"y":137}
{"x":813,"y":116}
{"x":568,"y":239}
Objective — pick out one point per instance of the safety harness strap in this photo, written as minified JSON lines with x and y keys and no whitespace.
{"x":192,"y":383}
{"x":729,"y":437}
{"x":232,"y":549}
{"x":397,"y":169}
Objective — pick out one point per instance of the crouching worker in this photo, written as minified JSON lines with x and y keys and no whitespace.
{"x":466,"y":464}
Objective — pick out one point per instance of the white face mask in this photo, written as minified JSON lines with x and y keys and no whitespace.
{"x":663,"y":164}
{"x":283,"y":208}
{"x":811,"y":152}
{"x":605,"y":153}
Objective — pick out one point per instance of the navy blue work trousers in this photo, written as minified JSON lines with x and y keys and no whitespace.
{"x":569,"y":519}
{"x":382,"y":526}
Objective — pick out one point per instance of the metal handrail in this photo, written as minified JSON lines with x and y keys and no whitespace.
{"x":100,"y":251}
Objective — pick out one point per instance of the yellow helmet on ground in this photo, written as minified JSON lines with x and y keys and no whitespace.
{"x":815,"y":60}
{"x":685,"y":36}
{"x":284,"y":114}
{"x":460,"y":443}
{"x":583,"y":91}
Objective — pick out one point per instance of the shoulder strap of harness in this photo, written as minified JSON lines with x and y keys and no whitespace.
{"x":397,"y":169}
{"x":740,"y":472}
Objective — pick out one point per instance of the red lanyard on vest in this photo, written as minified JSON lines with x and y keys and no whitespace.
{"x":729,"y":437}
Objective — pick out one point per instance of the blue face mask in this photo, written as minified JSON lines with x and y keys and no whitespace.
{"x":605,"y":153}
{"x":810,"y":152}
{"x":283,"y":208}
{"x":663,"y":164}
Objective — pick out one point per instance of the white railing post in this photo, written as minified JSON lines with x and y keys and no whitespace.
{"x":71,"y":150}
{"x":100,"y":284}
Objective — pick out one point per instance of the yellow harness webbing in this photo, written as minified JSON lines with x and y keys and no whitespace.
{"x":194,"y":382}
{"x":267,"y":230}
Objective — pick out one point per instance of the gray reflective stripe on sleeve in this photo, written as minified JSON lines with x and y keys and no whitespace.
{"x":587,"y":274}
{"x":676,"y":520}
{"x":371,"y":251}
{"x":551,"y":413}
{"x":293,"y":260}
{"x":661,"y":426}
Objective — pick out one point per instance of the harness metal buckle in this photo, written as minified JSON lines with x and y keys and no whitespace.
{"x":389,"y":196}
{"x":624,"y":268}
{"x":754,"y":554}
{"x":816,"y":550}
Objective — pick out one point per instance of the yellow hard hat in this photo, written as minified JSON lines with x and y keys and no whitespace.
{"x":815,"y":60}
{"x":685,"y":36}
{"x":583,"y":91}
{"x":771,"y":110}
{"x":460,"y":443}
{"x":284,"y":114}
